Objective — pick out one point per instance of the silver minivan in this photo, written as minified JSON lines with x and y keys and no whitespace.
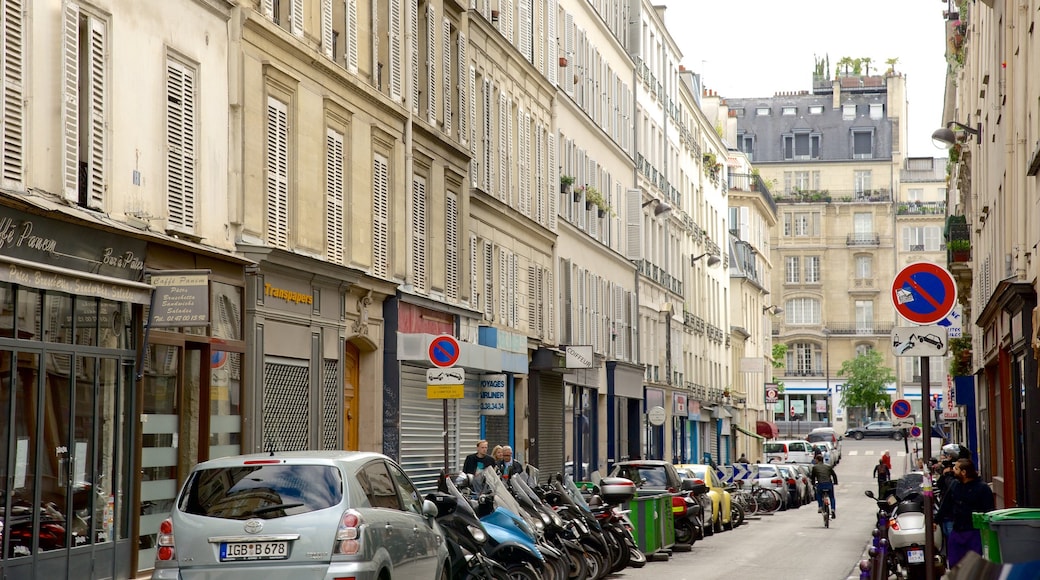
{"x":306,"y":515}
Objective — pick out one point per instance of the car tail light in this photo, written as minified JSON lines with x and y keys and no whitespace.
{"x":776,"y":481}
{"x":348,"y":535}
{"x":790,"y":481}
{"x":164,"y":541}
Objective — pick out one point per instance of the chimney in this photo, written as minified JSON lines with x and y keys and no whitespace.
{"x":836,"y":93}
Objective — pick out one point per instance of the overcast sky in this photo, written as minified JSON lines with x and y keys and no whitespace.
{"x":755,"y":48}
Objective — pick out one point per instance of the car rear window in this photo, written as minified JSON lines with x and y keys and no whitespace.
{"x":261,"y":491}
{"x":775,"y":448}
{"x":766,"y":471}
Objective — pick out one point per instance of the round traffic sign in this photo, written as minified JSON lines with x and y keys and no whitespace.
{"x":924,"y":293}
{"x":444,"y":351}
{"x":915,"y":431}
{"x":901,"y":408}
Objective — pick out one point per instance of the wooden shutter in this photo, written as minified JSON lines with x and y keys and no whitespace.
{"x":539,"y":176}
{"x":553,"y":47}
{"x":474,"y":288}
{"x":503,"y":145}
{"x":413,"y":29}
{"x":633,"y":224}
{"x":380,"y":216}
{"x":326,"y":28}
{"x":524,"y":41}
{"x":488,"y":171}
{"x":431,"y":78}
{"x":552,"y":191}
{"x":463,"y":89}
{"x":550,"y":307}
{"x":394,"y":44}
{"x":419,"y":234}
{"x":446,"y":74}
{"x":503,"y":286}
{"x":334,"y":195}
{"x":97,"y":98}
{"x":532,"y":306}
{"x":13,"y":116}
{"x":514,"y":286}
{"x":489,"y":280}
{"x":180,"y":146}
{"x":70,"y":101}
{"x":505,"y":19}
{"x":350,"y":46}
{"x":277,"y":173}
{"x":296,"y":18}
{"x":451,"y":247}
{"x":268,"y":8}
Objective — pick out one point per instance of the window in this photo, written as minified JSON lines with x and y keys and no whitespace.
{"x":334,"y":195}
{"x":277,"y":173}
{"x":791,"y":270}
{"x":419,"y":278}
{"x":816,"y":109}
{"x":848,"y":112}
{"x":739,"y":111}
{"x":286,"y":13}
{"x":804,"y":358}
{"x":85,"y":75}
{"x":915,"y":194}
{"x":862,"y":349}
{"x":762,"y":111}
{"x":12,"y":94}
{"x":864,"y":267}
{"x":181,"y":145}
{"x":789,"y":111}
{"x":922,"y":238}
{"x":746,"y":144}
{"x":812,"y":269}
{"x":877,"y":111}
{"x":378,"y":486}
{"x":380,"y":215}
{"x":864,"y":316}
{"x":802,"y":311}
{"x":861,"y":182}
{"x":801,"y":224}
{"x":863,"y":144}
{"x":801,"y":146}
{"x":936,"y":369}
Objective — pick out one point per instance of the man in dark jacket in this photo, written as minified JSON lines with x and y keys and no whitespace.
{"x":967,"y":495}
{"x":825,"y":479}
{"x":478,"y":461}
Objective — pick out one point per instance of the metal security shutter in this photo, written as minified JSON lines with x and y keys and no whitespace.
{"x":286,"y":405}
{"x":550,"y":424}
{"x":422,"y":447}
{"x":331,"y":433}
{"x":713,"y":439}
{"x":724,"y":458}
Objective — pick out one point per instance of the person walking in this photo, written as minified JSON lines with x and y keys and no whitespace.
{"x":966,"y":495}
{"x":824,"y":478}
{"x":883,"y":473}
{"x":742,"y":458}
{"x":887,"y":458}
{"x":477,"y":461}
{"x":507,"y":464}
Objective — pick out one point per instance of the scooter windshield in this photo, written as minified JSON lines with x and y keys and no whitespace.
{"x":910,"y":484}
{"x":488,"y":480}
{"x":462,"y":502}
{"x":574,"y":493}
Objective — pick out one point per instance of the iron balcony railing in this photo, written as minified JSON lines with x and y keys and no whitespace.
{"x":863,"y":239}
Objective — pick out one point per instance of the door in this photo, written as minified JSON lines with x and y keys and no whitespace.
{"x":352,"y":362}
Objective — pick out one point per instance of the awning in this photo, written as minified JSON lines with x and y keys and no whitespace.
{"x":721,"y":412}
{"x":767,"y":429}
{"x":748,"y":433}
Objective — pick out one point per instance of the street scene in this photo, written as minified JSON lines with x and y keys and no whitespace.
{"x":527,"y":289}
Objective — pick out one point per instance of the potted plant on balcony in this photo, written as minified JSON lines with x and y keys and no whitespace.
{"x":566,"y":181}
{"x":960,"y":250}
{"x":593,"y":198}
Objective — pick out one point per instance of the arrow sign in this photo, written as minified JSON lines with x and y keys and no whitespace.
{"x":444,"y":351}
{"x":924,"y":293}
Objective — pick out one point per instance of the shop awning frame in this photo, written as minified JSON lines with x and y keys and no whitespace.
{"x":749,"y":433}
{"x":767,"y":429}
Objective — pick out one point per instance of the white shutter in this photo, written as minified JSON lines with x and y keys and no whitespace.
{"x":419,"y":234}
{"x":633,"y":224}
{"x":583,"y":307}
{"x":451,"y":249}
{"x":550,"y":307}
{"x":503,"y":286}
{"x":70,"y":101}
{"x":471,"y":110}
{"x":326,"y":28}
{"x":553,"y":48}
{"x":446,"y":73}
{"x":503,"y":145}
{"x":268,"y":8}
{"x":431,"y":78}
{"x":539,"y":177}
{"x":413,"y":29}
{"x":98,"y":95}
{"x":489,"y":280}
{"x":334,"y":216}
{"x":350,"y":46}
{"x":552,"y":191}
{"x":394,"y":43}
{"x":13,"y":117}
{"x":380,"y":216}
{"x":296,"y":18}
{"x":463,"y":88}
{"x":180,"y":146}
{"x":514,"y":286}
{"x":505,"y":19}
{"x":618,"y":323}
{"x":532,"y":303}
{"x":277,"y":173}
{"x":568,"y":47}
{"x":524,"y":42}
{"x":633,"y":312}
{"x":525,"y":137}
{"x":488,"y":171}
{"x":473,"y":266}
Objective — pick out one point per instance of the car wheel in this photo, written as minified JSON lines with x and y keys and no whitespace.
{"x":857,"y":436}
{"x":897,"y":436}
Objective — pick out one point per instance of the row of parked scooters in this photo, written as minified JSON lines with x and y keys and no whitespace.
{"x":500,"y":527}
{"x":898,"y":546}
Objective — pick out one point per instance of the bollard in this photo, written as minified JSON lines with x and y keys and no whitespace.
{"x":883,"y":558}
{"x":864,"y":570}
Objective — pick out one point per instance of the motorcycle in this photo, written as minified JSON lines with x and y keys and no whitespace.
{"x":688,"y":512}
{"x":472,"y":556}
{"x":605,"y":505}
{"x":906,"y":526}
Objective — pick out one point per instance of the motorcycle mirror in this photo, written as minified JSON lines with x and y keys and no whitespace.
{"x":869,"y":494}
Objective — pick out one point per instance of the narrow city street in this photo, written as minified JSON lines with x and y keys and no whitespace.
{"x":791,"y":545}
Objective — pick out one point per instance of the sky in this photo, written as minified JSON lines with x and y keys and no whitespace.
{"x":756,"y":48}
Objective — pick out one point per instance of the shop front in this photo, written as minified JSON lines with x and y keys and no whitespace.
{"x":623,"y":411}
{"x":71,"y":302}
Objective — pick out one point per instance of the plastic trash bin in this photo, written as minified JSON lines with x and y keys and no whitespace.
{"x":644,"y":512}
{"x":1009,"y":535}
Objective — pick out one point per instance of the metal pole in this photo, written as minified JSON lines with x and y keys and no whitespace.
{"x":445,"y":411}
{"x":926,"y":427}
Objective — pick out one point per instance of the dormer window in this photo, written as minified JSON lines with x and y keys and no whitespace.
{"x":848,"y":112}
{"x":762,"y":111}
{"x":789,"y":111}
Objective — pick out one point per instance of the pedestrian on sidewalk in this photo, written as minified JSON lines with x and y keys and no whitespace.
{"x":967,"y":494}
{"x":883,"y":473}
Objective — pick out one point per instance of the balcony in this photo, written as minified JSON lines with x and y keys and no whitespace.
{"x":958,"y":240}
{"x":922,"y":208}
{"x":859,"y":328}
{"x":798,"y":195}
{"x":803,"y":373}
{"x":863,"y":239}
{"x":864,"y":284}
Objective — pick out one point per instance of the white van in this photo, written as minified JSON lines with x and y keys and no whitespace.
{"x":788,"y":451}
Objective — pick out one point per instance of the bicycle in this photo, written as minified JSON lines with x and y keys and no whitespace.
{"x":824,"y":490}
{"x":743,"y":498}
{"x":769,"y":500}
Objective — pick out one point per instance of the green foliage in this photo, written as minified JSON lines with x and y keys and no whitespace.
{"x":960,"y":356}
{"x":567,"y":179}
{"x":958,"y":245}
{"x":891,"y":65}
{"x":779,"y":360}
{"x":866,"y":380}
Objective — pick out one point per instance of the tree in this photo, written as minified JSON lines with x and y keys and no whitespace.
{"x":779,"y":361}
{"x":891,"y":66}
{"x":866,"y":382}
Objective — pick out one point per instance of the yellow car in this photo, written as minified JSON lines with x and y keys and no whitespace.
{"x":721,"y":504}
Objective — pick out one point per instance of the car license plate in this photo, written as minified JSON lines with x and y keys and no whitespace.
{"x":230,"y":551}
{"x":915,"y":556}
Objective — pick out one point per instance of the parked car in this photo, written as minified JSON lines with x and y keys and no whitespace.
{"x":721,"y":500}
{"x":788,"y":451}
{"x":827,"y":434}
{"x":769,"y":476}
{"x":824,"y":448}
{"x":795,"y":485}
{"x":810,"y":489}
{"x":324,"y":514}
{"x":876,"y":429}
{"x":651,"y":476}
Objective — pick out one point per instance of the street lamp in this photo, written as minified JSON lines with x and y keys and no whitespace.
{"x":662,"y":206}
{"x":713,"y":260}
{"x":776,"y":310}
{"x":945,"y":138}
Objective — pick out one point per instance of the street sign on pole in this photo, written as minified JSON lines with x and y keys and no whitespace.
{"x":444,"y":351}
{"x":919,"y":341}
{"x":901,"y":408}
{"x":924,"y":293}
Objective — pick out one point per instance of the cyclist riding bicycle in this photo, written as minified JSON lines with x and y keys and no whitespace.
{"x":824,"y":478}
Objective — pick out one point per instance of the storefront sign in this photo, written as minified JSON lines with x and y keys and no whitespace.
{"x":579,"y":357}
{"x":493,"y":395}
{"x":181,"y":299}
{"x":445,"y":392}
{"x":679,"y":404}
{"x":68,"y":245}
{"x":288,"y":295}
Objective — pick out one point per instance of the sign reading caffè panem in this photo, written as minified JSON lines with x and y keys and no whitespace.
{"x":181,"y":299}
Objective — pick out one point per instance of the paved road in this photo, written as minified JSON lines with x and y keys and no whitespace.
{"x":791,"y":545}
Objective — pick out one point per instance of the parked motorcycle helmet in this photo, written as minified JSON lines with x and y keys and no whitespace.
{"x":956,"y":451}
